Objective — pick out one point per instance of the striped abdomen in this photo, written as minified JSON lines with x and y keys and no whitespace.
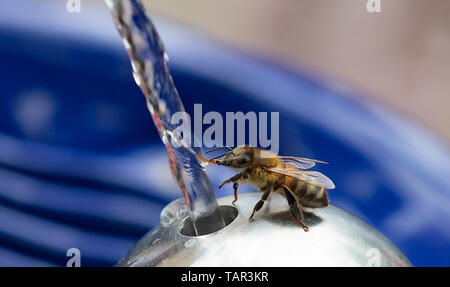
{"x":307,"y":194}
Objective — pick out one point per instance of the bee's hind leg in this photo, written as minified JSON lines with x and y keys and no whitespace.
{"x":267,"y":190}
{"x":296,"y":209}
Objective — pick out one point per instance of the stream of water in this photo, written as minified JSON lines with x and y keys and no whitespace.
{"x":151,"y":73}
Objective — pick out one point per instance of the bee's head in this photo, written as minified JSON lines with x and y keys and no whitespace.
{"x":239,"y":157}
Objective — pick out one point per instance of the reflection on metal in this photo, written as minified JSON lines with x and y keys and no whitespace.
{"x":336,"y":238}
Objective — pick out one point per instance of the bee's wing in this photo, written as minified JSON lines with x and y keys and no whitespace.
{"x":311,"y":177}
{"x":300,"y":162}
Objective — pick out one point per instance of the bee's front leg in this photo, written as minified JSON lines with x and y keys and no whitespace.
{"x":234,"y":178}
{"x":235,"y":189}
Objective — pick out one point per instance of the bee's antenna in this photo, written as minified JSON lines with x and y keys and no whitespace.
{"x":217,"y":148}
{"x":221,"y":155}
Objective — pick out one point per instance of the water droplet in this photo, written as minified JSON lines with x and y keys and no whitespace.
{"x":190,"y":243}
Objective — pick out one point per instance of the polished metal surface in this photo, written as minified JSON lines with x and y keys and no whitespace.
{"x":336,"y":238}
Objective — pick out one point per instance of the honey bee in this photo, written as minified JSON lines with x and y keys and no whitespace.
{"x":284,"y":174}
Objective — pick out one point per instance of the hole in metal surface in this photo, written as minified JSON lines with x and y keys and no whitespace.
{"x":228,"y":212}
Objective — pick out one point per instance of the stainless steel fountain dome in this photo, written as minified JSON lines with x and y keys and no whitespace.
{"x":336,"y":238}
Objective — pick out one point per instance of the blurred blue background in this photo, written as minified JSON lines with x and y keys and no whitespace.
{"x":81,"y":164}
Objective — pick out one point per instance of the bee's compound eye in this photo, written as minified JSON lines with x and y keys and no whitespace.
{"x":245,"y":159}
